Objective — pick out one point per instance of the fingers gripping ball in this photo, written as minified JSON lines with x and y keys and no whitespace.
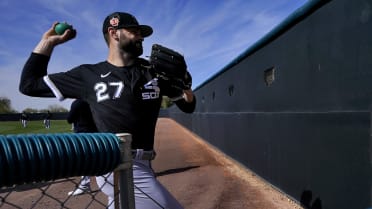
{"x":60,"y":28}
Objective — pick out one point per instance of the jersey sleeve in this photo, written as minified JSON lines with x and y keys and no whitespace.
{"x":187,"y":107}
{"x":68,"y":84}
{"x":31,"y":81}
{"x":36,"y":82}
{"x":172,"y":92}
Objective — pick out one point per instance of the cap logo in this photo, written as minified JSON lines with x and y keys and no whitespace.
{"x":114,"y":21}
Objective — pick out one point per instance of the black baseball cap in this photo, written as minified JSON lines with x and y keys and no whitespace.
{"x":119,"y":20}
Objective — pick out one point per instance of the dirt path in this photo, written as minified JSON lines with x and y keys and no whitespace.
{"x":199,"y":176}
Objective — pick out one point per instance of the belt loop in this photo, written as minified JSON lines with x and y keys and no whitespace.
{"x":139,"y":154}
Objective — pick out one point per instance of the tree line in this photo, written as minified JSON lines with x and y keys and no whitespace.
{"x":6,"y":107}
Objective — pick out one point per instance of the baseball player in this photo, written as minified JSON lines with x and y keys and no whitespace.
{"x":24,"y":119}
{"x":46,"y":120}
{"x":124,"y":96}
{"x":81,"y":116}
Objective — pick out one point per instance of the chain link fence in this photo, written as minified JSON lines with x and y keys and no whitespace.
{"x":38,"y":171}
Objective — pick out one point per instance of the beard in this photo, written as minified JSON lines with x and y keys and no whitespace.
{"x":134,"y":48}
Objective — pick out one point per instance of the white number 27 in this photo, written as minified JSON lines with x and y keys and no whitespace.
{"x":102,"y":90}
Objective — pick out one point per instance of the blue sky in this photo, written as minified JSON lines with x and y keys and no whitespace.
{"x":210,"y":33}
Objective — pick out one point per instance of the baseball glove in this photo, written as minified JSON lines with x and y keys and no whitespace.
{"x":170,"y":66}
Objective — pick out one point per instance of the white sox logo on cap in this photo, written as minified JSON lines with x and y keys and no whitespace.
{"x":120,"y":20}
{"x":114,"y":21}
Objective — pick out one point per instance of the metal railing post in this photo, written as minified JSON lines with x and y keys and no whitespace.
{"x":123,"y":175}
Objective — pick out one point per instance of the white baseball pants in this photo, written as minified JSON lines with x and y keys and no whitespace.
{"x":148,"y":192}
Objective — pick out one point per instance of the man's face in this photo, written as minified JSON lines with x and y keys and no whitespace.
{"x":131,"y":41}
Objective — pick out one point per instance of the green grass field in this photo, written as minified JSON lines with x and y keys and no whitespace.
{"x":34,"y":127}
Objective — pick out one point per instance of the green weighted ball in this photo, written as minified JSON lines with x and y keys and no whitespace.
{"x":60,"y":28}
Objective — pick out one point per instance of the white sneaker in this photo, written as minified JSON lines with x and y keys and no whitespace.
{"x":79,"y":191}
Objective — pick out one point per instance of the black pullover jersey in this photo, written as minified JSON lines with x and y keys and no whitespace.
{"x":122,"y":99}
